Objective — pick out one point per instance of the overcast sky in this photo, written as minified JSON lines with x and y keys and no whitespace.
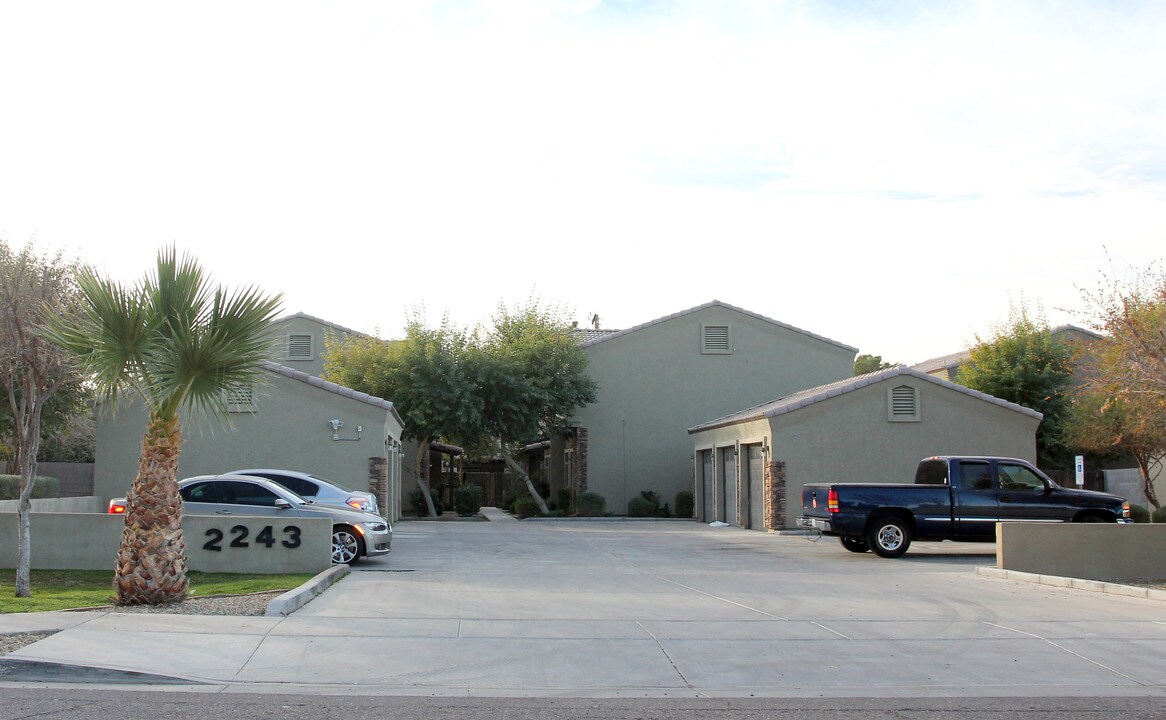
{"x":891,"y":175}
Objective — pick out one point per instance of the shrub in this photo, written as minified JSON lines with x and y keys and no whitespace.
{"x":1139,"y":514}
{"x":42,"y":487}
{"x":648,"y":505}
{"x":563,"y":500}
{"x":508,"y":500}
{"x":685,"y":504}
{"x":467,"y":500}
{"x":525,"y":507}
{"x":641,"y":507}
{"x":417,"y":502}
{"x":590,"y":504}
{"x":1159,"y":515}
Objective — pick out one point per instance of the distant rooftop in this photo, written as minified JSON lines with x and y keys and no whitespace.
{"x":801,"y":399}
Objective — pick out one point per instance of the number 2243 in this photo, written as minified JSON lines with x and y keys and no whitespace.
{"x":240,"y":533}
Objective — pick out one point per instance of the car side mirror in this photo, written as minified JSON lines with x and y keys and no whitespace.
{"x":282,"y":504}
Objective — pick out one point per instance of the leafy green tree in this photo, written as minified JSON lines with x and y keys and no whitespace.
{"x":864,"y":364}
{"x":1121,"y":406}
{"x":507,"y":386}
{"x":179,"y":345}
{"x":1024,"y":363}
{"x":37,"y":379}
{"x":532,"y":374}
{"x":425,"y":377}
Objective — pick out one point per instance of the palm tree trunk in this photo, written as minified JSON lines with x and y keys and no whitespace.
{"x":151,"y":561}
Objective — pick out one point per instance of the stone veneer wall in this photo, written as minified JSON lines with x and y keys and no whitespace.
{"x":774,"y":495}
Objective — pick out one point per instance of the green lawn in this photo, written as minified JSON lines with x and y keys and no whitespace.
{"x":67,"y":589}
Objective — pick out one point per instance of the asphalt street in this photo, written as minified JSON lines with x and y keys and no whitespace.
{"x":655,"y":610}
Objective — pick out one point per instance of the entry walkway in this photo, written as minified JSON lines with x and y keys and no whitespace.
{"x":661,"y":609}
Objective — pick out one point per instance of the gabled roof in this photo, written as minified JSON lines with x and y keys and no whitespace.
{"x":334,"y":388}
{"x":803,"y":398}
{"x":947,"y":362}
{"x":714,"y":303}
{"x":586,"y":335}
{"x":305,"y":316}
{"x":954,"y":360}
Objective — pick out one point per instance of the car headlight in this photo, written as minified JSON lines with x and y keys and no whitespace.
{"x":376,"y":527}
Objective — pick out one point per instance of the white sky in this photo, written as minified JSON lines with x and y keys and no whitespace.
{"x":892,"y":175}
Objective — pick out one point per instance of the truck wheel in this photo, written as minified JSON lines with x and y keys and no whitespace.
{"x":888,"y":536}
{"x":855,"y":545}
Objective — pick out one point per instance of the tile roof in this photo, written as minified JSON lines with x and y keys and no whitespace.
{"x":586,"y":335}
{"x":803,"y":398}
{"x":333,"y":388}
{"x":714,"y":303}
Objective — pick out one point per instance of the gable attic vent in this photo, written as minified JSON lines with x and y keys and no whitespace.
{"x":903,"y":404}
{"x":241,"y":400}
{"x":715,"y":339}
{"x":299,"y":347}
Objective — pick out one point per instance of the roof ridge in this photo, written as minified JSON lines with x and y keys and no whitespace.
{"x":716,"y":303}
{"x":810,"y":396}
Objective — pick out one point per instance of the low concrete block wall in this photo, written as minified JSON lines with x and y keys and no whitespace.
{"x":88,"y":504}
{"x":1093,"y":551}
{"x":89,"y":541}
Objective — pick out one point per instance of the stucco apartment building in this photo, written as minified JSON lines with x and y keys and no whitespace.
{"x":662,"y":377}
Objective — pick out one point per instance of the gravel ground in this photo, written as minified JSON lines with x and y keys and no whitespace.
{"x":253,"y":604}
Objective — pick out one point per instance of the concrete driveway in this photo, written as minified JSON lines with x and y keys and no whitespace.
{"x":626,"y":609}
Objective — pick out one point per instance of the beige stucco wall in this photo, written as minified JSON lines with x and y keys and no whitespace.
{"x":89,"y":541}
{"x":1083,"y":550}
{"x":288,"y":430}
{"x":849,"y":439}
{"x":654,"y":384}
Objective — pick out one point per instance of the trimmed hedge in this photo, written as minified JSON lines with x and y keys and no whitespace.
{"x":641,"y":507}
{"x":467,"y":500}
{"x":1139,"y":514}
{"x":417,"y":502}
{"x":42,"y":487}
{"x":590,"y":504}
{"x":525,"y":507}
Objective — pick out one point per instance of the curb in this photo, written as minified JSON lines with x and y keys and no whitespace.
{"x":15,"y":670}
{"x":1075,"y":583}
{"x":293,"y":600}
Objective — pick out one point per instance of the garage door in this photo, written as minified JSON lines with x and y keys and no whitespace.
{"x":708,"y":506}
{"x":729,"y":483}
{"x":756,"y":488}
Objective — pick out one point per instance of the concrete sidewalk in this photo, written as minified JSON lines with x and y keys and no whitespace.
{"x":632,"y":610}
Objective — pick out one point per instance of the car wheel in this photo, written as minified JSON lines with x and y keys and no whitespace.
{"x":347,"y":547}
{"x":855,"y":545}
{"x":888,"y":536}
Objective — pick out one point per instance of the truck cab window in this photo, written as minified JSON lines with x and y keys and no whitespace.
{"x":1017,"y":477}
{"x":975,"y":476}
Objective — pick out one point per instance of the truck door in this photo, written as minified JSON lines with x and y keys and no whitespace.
{"x":975,"y":505}
{"x":1024,"y":495}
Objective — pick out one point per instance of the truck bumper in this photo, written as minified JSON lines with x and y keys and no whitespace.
{"x":814,"y":523}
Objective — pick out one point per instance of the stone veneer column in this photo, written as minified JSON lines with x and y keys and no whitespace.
{"x":378,"y":481}
{"x":774,"y":495}
{"x":580,"y":461}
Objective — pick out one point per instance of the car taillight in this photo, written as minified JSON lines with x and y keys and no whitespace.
{"x":116,"y":508}
{"x":832,"y":501}
{"x":1125,"y":509}
{"x":358,"y":504}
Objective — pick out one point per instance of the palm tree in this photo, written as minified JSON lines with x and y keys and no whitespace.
{"x":181,"y":346}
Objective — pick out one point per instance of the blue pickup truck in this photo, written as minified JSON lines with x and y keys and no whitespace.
{"x":953,"y":498}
